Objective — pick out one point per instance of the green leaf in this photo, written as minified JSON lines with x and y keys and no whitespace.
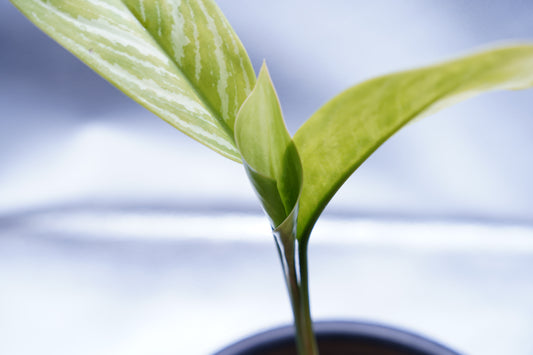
{"x":339,"y":137}
{"x":270,"y":157}
{"x":179,"y":59}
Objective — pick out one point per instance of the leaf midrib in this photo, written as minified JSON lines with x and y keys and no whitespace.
{"x":198,"y":94}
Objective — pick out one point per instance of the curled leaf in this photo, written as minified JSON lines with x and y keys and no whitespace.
{"x":269,"y":154}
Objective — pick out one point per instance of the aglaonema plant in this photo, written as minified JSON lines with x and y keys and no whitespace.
{"x":183,"y":61}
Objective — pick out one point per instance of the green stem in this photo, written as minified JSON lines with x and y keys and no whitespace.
{"x":293,"y":256}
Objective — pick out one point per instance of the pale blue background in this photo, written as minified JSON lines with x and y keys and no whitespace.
{"x":119,"y":235}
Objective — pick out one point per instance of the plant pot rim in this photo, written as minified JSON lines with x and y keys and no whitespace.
{"x":393,"y":336}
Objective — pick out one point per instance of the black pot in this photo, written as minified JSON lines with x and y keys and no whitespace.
{"x":341,"y":338}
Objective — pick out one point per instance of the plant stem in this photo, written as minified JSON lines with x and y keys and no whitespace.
{"x":293,"y":257}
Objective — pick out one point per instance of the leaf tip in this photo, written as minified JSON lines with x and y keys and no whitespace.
{"x":264,"y":72}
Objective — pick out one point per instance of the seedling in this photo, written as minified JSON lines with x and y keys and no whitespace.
{"x":182,"y":61}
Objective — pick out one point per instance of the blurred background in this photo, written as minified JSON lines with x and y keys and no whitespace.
{"x":120,"y":235}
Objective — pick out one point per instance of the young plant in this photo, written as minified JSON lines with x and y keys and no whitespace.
{"x":182,"y":60}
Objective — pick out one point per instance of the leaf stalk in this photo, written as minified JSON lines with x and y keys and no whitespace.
{"x":293,"y":257}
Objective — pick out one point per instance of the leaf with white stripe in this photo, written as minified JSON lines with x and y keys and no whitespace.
{"x":179,"y":59}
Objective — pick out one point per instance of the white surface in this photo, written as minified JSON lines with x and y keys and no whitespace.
{"x":106,"y":163}
{"x":84,"y":281}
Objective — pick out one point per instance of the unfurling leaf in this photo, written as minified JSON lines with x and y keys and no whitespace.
{"x":268,"y":152}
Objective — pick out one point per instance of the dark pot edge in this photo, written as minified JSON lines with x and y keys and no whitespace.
{"x":329,"y":328}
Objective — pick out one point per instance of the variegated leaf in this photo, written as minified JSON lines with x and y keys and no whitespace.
{"x":180,"y":59}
